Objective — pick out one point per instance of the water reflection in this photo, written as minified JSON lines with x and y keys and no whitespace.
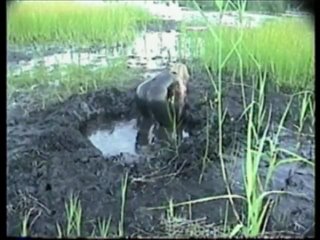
{"x":134,"y":137}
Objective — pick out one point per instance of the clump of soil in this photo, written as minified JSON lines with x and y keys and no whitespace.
{"x":50,"y":157}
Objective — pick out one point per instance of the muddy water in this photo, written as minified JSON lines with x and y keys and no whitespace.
{"x":150,"y":51}
{"x":123,"y":137}
{"x":115,"y":139}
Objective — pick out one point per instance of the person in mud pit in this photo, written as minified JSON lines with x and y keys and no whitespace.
{"x":162,"y":101}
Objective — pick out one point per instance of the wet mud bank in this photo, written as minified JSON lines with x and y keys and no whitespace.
{"x":51,"y":155}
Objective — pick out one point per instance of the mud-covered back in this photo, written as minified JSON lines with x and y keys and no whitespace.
{"x":156,"y":89}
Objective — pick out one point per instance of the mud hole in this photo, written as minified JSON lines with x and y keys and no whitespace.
{"x":52,"y":153}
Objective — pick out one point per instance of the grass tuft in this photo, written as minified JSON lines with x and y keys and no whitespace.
{"x":284,"y":48}
{"x":72,"y":23}
{"x":62,"y":82}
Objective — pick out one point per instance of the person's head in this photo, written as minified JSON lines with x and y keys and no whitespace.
{"x":180,"y":72}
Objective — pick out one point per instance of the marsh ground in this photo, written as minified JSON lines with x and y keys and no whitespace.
{"x":49,"y":158}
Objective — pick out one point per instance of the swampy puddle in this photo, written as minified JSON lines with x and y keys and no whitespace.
{"x":150,"y":51}
{"x":124,"y":138}
{"x":115,"y":139}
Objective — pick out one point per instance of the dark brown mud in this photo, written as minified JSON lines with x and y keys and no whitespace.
{"x":50,"y":156}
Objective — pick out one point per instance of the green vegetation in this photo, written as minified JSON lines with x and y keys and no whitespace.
{"x":71,"y":23}
{"x":64,"y":81}
{"x":75,"y":219}
{"x":265,"y":6}
{"x":283,"y":48}
{"x":274,"y":7}
{"x":68,"y":22}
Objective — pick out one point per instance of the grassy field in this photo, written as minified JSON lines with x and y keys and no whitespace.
{"x":64,"y":81}
{"x":283,"y":48}
{"x":69,"y":22}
